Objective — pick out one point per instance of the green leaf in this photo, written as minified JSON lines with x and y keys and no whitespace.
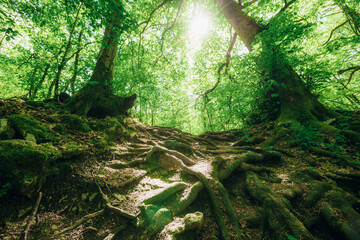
{"x":93,"y":82}
{"x":290,"y":237}
{"x":7,"y":38}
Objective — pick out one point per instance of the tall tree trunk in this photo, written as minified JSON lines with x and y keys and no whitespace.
{"x":76,"y":65}
{"x":96,"y":97}
{"x":33,"y":95}
{"x":32,"y":82}
{"x":295,"y":99}
{"x":64,"y":59}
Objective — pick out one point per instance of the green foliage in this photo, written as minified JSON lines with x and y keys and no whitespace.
{"x":291,"y":237}
{"x":306,"y":136}
{"x":170,"y":70}
{"x":5,"y":188}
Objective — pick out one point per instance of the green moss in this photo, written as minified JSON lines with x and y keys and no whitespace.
{"x":35,"y":103}
{"x":97,"y":125}
{"x":115,"y":130}
{"x":71,"y":149}
{"x":75,"y":123}
{"x":100,"y":143}
{"x":24,"y":124}
{"x":6,"y":132}
{"x":59,"y":128}
{"x":317,"y":192}
{"x":24,"y":164}
{"x":307,"y":175}
{"x":153,"y":218}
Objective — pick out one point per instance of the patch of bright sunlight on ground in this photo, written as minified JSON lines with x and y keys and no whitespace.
{"x":199,"y":28}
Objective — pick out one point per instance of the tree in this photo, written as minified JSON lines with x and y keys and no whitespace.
{"x":96,"y":98}
{"x":296,"y":104}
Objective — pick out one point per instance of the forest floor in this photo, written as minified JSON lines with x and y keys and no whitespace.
{"x":66,"y":177}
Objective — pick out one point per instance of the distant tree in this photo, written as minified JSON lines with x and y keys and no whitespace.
{"x":96,"y":98}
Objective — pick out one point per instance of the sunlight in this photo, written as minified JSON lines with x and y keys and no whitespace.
{"x":199,"y":27}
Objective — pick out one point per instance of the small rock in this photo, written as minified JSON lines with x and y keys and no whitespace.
{"x":30,"y":137}
{"x":193,"y":221}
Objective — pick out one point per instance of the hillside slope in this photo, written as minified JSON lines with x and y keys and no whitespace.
{"x":66,"y":177}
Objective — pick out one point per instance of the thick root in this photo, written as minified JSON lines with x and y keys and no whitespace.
{"x":279,"y":217}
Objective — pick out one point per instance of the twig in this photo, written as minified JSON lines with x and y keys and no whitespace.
{"x":82,"y":220}
{"x":36,"y":206}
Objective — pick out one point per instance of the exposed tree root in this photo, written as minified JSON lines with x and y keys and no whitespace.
{"x":115,"y":231}
{"x":187,"y":198}
{"x":82,"y":220}
{"x":114,"y":209}
{"x":165,"y":193}
{"x":341,"y":216}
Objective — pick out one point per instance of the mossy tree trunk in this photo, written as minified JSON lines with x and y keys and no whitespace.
{"x":295,"y":99}
{"x":96,"y":97}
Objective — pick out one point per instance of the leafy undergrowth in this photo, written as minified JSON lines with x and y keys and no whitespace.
{"x":66,"y":177}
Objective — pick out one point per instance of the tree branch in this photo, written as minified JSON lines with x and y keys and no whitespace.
{"x":163,"y":35}
{"x":146,"y":26}
{"x":332,"y":31}
{"x":354,"y":69}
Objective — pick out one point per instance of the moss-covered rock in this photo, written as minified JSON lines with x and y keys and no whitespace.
{"x":193,"y":221}
{"x":24,"y":125}
{"x":6,"y":132}
{"x":25,"y":164}
{"x":75,"y":123}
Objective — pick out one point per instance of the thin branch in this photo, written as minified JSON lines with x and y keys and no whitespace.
{"x":82,"y":220}
{"x":166,"y":30}
{"x":79,"y":50}
{"x":332,"y":31}
{"x":353,"y":69}
{"x":36,"y":206}
{"x":226,"y":64}
{"x":146,"y":26}
{"x":286,"y":5}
